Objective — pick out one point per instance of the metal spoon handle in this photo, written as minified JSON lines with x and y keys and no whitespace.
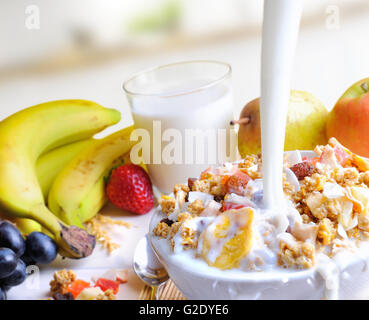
{"x":154,"y":293}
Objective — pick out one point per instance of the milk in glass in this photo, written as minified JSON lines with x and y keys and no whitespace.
{"x":189,"y":128}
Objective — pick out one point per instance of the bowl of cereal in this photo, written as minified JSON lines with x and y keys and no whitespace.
{"x":218,"y":242}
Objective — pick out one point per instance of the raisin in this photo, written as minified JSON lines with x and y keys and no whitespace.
{"x":65,"y":296}
{"x":190,"y":182}
{"x":186,"y":198}
{"x":167,"y":221}
{"x":219,"y":198}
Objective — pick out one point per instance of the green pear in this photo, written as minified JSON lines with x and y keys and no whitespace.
{"x":305,"y":126}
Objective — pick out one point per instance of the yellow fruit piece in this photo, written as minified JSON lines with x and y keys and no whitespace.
{"x":90,"y":293}
{"x":228,"y":239}
{"x":362,"y":196}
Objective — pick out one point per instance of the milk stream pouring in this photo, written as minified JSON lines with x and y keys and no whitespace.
{"x":280,"y":31}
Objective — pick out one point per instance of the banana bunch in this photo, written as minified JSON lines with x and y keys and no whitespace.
{"x":78,"y":192}
{"x":50,"y":165}
{"x":30,"y":134}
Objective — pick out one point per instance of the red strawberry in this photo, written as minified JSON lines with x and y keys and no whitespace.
{"x":129,"y":188}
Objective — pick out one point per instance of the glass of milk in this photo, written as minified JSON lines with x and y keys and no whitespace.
{"x":182,"y":113}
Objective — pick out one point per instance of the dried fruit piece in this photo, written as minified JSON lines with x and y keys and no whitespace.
{"x":190,"y":182}
{"x":362,"y":163}
{"x":302,"y":169}
{"x":107,"y":284}
{"x":232,"y":232}
{"x":237,"y":183}
{"x":167,"y":221}
{"x":342,"y":156}
{"x":91,"y":293}
{"x":66,"y":296}
{"x":77,"y":286}
{"x":231,"y":205}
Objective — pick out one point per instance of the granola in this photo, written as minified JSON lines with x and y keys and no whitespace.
{"x":97,"y":227}
{"x":61,"y":281}
{"x":66,"y":286}
{"x":167,"y":204}
{"x":327,"y":199}
{"x":196,"y":207}
{"x":161,"y":230}
{"x":107,"y":295}
{"x":299,"y":254}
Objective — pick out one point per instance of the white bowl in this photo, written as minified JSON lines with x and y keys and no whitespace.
{"x":196,"y":280}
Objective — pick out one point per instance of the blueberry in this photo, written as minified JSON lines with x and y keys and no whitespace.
{"x":41,"y":248}
{"x":17,"y":277}
{"x":11,"y":238}
{"x":2,"y":294}
{"x":8,"y":262}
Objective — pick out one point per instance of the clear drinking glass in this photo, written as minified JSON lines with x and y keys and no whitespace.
{"x":182,"y":112}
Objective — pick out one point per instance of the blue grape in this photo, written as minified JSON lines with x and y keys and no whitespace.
{"x":17,"y":276}
{"x":28,"y":260}
{"x":2,"y":294}
{"x":6,"y":288}
{"x":8,"y":262}
{"x":41,"y":248}
{"x":11,"y":238}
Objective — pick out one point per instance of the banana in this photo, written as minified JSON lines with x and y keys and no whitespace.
{"x":25,"y":136}
{"x":27,"y":226}
{"x":50,"y":164}
{"x":47,"y":168}
{"x":96,"y":197}
{"x":78,"y":192}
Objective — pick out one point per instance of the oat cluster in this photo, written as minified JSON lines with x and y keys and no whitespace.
{"x":61,"y":281}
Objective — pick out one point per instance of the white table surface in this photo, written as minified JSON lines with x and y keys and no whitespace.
{"x":37,"y":286}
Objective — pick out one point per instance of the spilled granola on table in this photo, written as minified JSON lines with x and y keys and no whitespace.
{"x":327,"y":209}
{"x":66,"y":286}
{"x":98,"y":225}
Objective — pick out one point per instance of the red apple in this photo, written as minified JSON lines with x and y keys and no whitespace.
{"x":348,"y":121}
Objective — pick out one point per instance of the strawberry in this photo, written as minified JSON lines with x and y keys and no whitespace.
{"x":129,"y":188}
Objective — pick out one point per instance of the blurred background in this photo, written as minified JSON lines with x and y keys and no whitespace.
{"x":87,"y":48}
